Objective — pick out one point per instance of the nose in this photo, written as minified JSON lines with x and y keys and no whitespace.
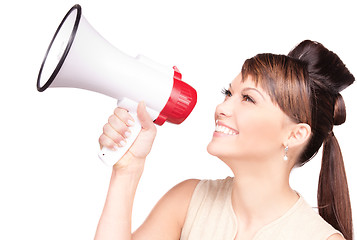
{"x":223,"y":110}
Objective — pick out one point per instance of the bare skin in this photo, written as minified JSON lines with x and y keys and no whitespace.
{"x":253,"y":149}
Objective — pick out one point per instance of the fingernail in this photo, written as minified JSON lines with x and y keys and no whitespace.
{"x":127,"y":134}
{"x":131,"y":122}
{"x":122,"y":143}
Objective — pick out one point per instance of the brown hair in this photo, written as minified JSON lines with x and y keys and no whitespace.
{"x":305,"y":84}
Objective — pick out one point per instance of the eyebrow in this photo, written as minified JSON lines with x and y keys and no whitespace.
{"x":254,"y":89}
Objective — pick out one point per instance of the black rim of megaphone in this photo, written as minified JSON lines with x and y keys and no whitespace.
{"x":66,"y":51}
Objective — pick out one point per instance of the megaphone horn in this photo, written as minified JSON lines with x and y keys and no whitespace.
{"x":79,"y":57}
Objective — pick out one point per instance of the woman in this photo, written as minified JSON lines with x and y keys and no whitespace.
{"x":276,"y":115}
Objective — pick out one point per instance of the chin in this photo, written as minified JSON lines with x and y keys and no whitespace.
{"x":213,"y":147}
{"x":210,"y":149}
{"x":226,"y":151}
{"x":217,"y":150}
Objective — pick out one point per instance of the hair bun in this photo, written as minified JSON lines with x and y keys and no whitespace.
{"x":339,"y":115}
{"x":325,"y":68}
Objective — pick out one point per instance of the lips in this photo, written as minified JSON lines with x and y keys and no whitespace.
{"x":224,"y":129}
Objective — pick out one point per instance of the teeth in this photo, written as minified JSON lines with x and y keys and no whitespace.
{"x":225,"y":130}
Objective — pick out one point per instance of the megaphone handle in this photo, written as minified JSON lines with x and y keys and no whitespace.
{"x":110,"y":157}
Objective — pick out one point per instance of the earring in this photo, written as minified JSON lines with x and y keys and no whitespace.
{"x":286,"y":153}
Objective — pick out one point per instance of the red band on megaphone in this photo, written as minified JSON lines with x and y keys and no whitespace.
{"x":182,"y":100}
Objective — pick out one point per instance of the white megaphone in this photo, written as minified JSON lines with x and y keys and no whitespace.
{"x":79,"y":57}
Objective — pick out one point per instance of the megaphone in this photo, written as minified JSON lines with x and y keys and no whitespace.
{"x":79,"y":57}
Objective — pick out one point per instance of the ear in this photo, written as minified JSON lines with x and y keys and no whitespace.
{"x":299,"y":135}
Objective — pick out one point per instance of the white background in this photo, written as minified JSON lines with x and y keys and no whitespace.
{"x":53,"y":186}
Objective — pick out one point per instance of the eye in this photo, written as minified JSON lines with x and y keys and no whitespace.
{"x":247,"y":98}
{"x":226,"y":92}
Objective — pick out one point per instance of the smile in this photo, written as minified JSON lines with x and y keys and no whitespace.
{"x":225,"y":130}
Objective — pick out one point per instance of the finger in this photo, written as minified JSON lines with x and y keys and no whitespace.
{"x":105,"y":141}
{"x":118,"y":126}
{"x":144,"y":117}
{"x":113,"y":135}
{"x":124,"y":116}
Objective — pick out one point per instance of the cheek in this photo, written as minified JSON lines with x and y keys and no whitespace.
{"x":261,"y":134}
{"x":258,"y":136}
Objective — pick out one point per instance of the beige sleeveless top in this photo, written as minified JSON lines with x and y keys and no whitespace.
{"x":211,"y":216}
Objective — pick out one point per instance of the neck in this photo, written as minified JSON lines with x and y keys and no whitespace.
{"x":261,"y":192}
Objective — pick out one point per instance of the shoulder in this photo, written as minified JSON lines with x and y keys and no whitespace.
{"x":167,"y":217}
{"x":182,"y":191}
{"x":185,"y":186}
{"x":178,"y":198}
{"x":336,"y":237}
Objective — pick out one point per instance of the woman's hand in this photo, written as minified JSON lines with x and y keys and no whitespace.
{"x":117,"y":130}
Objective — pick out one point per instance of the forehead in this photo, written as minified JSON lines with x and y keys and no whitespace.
{"x":238,"y":83}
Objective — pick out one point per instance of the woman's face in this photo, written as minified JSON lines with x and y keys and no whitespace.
{"x":249,"y":126}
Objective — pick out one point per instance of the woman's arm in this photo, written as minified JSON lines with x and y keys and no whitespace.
{"x":167,"y":218}
{"x":115,"y":221}
{"x":165,"y":221}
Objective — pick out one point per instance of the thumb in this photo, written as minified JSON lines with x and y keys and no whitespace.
{"x":144,"y":117}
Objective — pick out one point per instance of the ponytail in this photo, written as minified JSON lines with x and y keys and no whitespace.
{"x":328,"y":77}
{"x":333,"y":195}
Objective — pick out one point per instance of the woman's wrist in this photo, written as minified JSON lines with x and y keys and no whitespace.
{"x":129,"y":165}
